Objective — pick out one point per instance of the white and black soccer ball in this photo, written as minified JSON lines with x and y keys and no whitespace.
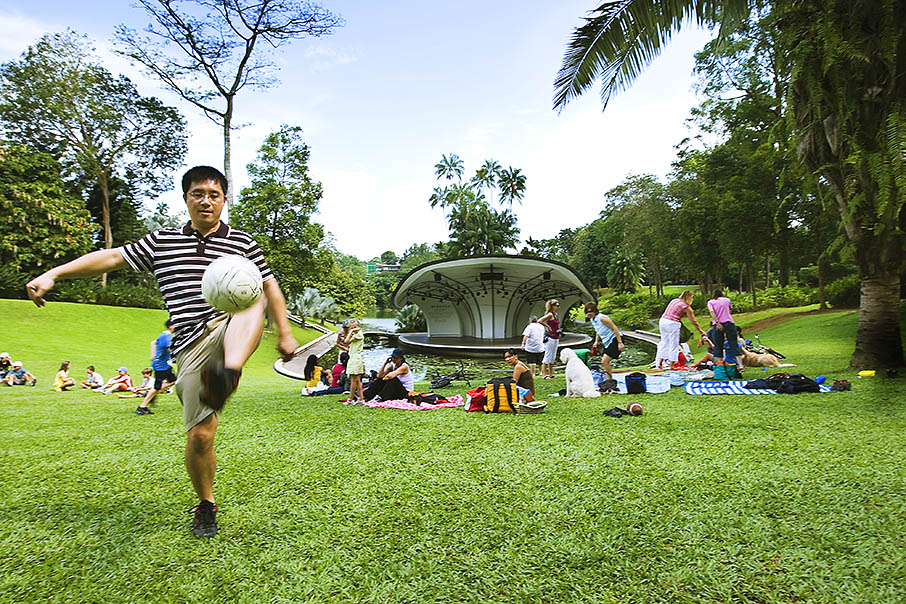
{"x":231,"y":283}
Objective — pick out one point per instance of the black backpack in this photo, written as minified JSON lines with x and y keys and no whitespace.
{"x":797,"y":383}
{"x":636,"y":383}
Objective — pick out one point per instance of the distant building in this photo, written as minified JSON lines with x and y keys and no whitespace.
{"x":378,"y":267}
{"x":484,"y":302}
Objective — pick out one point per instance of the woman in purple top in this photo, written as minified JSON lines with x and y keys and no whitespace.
{"x":719,"y":307}
{"x":671,"y":321}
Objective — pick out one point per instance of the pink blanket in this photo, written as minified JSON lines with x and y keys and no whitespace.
{"x":453,"y":401}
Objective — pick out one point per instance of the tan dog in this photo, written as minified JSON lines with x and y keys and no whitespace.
{"x":751,"y":359}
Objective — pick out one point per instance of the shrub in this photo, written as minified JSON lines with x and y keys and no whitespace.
{"x":12,"y":283}
{"x":410,"y":319}
{"x":115,"y":294}
{"x":844,"y":292}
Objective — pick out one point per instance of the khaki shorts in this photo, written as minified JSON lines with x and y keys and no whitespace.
{"x":191,"y":361}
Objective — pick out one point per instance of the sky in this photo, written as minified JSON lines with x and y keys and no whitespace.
{"x":404,"y":82}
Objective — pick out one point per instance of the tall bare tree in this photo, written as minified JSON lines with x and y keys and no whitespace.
{"x":225,"y":42}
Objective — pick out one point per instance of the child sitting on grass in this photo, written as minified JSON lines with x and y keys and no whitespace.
{"x":94,"y":380}
{"x":63,"y":381}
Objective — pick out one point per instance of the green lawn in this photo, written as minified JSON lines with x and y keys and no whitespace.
{"x":702,"y":499}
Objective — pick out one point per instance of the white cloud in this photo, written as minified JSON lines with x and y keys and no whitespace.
{"x":20,"y":32}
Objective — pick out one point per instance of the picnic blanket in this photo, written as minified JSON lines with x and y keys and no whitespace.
{"x":731,"y":387}
{"x":452,"y":401}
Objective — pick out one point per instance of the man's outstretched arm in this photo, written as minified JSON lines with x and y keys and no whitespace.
{"x":90,"y":265}
{"x":276,"y":310}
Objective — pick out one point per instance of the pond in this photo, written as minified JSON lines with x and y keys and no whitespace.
{"x":424,"y":367}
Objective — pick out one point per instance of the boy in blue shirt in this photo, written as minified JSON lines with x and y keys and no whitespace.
{"x":160,"y":363}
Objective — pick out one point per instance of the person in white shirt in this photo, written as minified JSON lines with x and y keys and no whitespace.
{"x":94,"y":379}
{"x":533,"y":343}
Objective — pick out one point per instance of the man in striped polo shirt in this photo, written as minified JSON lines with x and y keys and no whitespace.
{"x":210,"y":347}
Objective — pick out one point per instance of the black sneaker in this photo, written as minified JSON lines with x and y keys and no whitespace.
{"x":218,"y":383}
{"x":205,"y":524}
{"x":144,"y":411}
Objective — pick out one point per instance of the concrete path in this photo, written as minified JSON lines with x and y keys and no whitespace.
{"x":295,"y":367}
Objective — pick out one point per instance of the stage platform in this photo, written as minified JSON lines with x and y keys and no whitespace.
{"x":453,"y":346}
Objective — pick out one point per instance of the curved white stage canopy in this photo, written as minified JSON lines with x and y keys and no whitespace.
{"x":488,"y":297}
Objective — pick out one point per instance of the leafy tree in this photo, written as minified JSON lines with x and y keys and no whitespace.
{"x":125,"y":206}
{"x":381,"y":286}
{"x":277,"y":206}
{"x":59,"y":100}
{"x":227,"y":46}
{"x":345,"y":287}
{"x":556,"y":248}
{"x":647,"y":225}
{"x":41,"y":221}
{"x":594,"y":246}
{"x":846,"y":107}
{"x":161,"y":218}
{"x":625,"y":272}
{"x":420,"y":253}
{"x":389,"y":257}
{"x":475,"y":226}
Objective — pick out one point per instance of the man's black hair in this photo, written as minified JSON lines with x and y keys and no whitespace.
{"x":168,"y":323}
{"x":203,"y":174}
{"x":512,"y":352}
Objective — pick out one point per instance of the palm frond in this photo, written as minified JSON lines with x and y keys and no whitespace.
{"x":621,"y":38}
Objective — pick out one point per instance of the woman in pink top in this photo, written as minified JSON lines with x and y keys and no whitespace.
{"x":725,"y":328}
{"x":670,"y":323}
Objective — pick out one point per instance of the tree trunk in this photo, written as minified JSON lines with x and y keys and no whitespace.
{"x":783,"y":277}
{"x":750,"y":270}
{"x":227,"y":169}
{"x":104,"y":186}
{"x":878,"y":342}
{"x":822,"y":299}
{"x":767,"y":270}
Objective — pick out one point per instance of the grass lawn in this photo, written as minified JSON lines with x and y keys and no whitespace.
{"x":702,"y":499}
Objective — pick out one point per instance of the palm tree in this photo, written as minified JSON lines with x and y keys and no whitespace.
{"x":512,"y":186}
{"x":486,"y":176}
{"x":449,"y":167}
{"x":306,"y":304}
{"x":846,"y":105}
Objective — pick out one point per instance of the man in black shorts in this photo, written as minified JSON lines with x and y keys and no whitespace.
{"x":210,"y":347}
{"x":606,"y":334}
{"x":160,"y":363}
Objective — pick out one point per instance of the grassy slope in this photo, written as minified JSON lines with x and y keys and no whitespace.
{"x":702,"y":499}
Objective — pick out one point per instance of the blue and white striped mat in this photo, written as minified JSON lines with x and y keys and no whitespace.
{"x":731,"y":387}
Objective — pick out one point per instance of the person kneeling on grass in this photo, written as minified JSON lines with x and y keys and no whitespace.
{"x":394,"y":380}
{"x":19,"y":376}
{"x":211,"y":347}
{"x":94,"y":380}
{"x":63,"y":381}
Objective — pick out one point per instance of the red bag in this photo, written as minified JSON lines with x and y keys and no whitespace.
{"x":475,"y":399}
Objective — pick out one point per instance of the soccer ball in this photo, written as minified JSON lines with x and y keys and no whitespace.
{"x":231,"y":283}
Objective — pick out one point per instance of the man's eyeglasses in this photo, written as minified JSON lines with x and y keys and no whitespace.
{"x":199,"y":195}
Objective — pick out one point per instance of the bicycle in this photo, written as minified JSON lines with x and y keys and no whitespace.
{"x":758,"y":348}
{"x":441,"y":381}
